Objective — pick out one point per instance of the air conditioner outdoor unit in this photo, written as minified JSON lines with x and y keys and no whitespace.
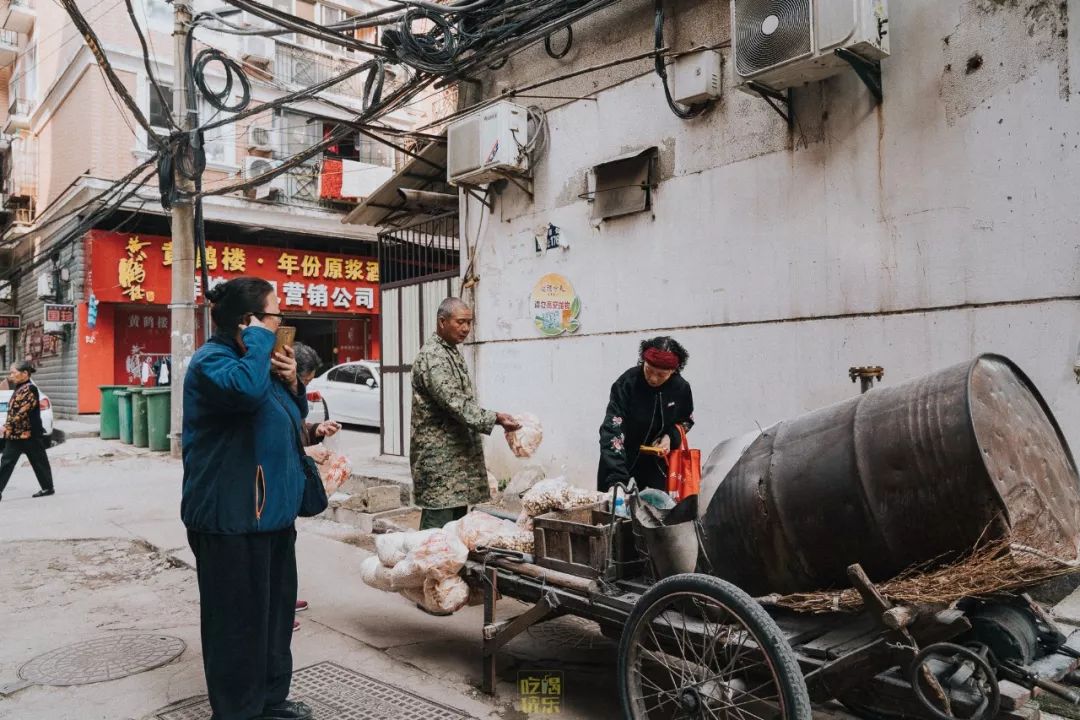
{"x":260,"y":137}
{"x":778,"y":44}
{"x":45,"y":288}
{"x":255,"y":166}
{"x":256,"y":49}
{"x":487,"y":145}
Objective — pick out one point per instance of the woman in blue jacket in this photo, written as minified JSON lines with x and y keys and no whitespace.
{"x":243,"y":482}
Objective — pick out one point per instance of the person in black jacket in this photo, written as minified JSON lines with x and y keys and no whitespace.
{"x":23,"y":432}
{"x":648,"y":404}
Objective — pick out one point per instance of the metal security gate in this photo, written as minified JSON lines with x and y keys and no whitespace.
{"x":420,"y":264}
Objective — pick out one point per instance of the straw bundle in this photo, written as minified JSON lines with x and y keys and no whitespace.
{"x":992,"y":567}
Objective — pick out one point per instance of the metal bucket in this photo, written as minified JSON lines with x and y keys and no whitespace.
{"x":897,"y":476}
{"x":673,"y":548}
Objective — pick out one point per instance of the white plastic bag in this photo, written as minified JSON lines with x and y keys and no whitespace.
{"x":479,"y":528}
{"x":524,"y":441}
{"x":519,"y":541}
{"x":393,"y":547}
{"x":446,"y":595}
{"x":334,"y":472}
{"x":376,"y":575}
{"x":440,"y":555}
{"x":407,"y":574}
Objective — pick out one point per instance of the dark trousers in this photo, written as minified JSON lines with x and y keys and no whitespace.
{"x":247,"y":596}
{"x":430,"y":519}
{"x":34,"y":449}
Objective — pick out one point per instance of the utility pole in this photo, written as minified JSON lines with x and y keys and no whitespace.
{"x":182,"y":308}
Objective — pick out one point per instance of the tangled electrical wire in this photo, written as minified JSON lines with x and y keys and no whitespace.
{"x":449,"y":40}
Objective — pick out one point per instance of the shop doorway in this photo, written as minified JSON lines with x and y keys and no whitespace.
{"x":320,"y":335}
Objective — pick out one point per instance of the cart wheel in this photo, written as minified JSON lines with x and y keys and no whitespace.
{"x":698,"y":647}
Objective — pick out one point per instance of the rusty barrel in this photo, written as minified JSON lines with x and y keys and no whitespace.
{"x":894,"y":477}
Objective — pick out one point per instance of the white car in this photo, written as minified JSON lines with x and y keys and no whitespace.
{"x":46,"y":412}
{"x":347,"y":393}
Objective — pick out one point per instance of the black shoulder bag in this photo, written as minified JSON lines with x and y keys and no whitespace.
{"x":314,"y":501}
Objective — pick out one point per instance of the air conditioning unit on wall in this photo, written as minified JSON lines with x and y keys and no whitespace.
{"x":256,"y":49}
{"x":255,"y":166}
{"x":488,"y":145}
{"x":261,"y":137}
{"x":778,"y":44}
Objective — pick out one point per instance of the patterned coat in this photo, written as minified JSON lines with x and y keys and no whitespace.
{"x":639,"y":414}
{"x":24,"y":413}
{"x":446,"y":453}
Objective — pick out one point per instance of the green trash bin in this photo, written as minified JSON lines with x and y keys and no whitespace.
{"x":110,"y":413}
{"x":139,"y":437}
{"x":123,"y":406}
{"x":159,"y":417}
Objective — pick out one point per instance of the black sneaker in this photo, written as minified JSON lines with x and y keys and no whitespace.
{"x":44,"y":493}
{"x":288,"y":710}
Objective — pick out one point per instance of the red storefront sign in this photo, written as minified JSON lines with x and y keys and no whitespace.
{"x":127,"y":268}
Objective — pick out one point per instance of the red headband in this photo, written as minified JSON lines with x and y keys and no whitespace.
{"x":661,"y":359}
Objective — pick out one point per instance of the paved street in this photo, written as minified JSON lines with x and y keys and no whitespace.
{"x":107,"y":557}
{"x":357,"y":443}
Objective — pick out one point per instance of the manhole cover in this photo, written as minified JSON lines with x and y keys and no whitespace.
{"x":571,"y":632}
{"x":101,"y":659}
{"x":337,"y":693}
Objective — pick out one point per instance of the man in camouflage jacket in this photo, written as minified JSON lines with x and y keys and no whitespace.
{"x":446,"y":452}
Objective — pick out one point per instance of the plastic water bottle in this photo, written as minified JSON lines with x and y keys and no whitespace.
{"x":620,"y":506}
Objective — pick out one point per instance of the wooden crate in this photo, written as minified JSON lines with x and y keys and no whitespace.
{"x":576,"y":542}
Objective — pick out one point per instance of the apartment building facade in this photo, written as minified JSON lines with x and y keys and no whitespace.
{"x":66,"y":137}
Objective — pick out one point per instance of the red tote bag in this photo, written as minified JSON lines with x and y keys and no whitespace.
{"x":684,"y":470}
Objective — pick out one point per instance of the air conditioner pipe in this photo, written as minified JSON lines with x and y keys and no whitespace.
{"x":424,"y":199}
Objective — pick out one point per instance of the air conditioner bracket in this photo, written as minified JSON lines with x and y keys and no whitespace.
{"x":773,"y":98}
{"x":869,"y":72}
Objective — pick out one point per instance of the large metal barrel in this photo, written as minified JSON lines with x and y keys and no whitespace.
{"x":894,"y":477}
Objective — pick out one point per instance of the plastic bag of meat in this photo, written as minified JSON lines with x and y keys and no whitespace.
{"x":479,"y":528}
{"x":440,"y":555}
{"x":393,"y":547}
{"x":446,"y":595}
{"x":519,"y":541}
{"x":556,"y":494}
{"x":334,"y":472}
{"x":524,"y":522}
{"x":440,"y":596}
{"x":407,"y":574}
{"x":376,"y":575}
{"x":524,"y":441}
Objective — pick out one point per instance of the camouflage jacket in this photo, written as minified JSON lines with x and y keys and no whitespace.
{"x":446,"y":452}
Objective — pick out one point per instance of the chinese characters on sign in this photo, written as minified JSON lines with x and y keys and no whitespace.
{"x":305,"y":281}
{"x":60,"y":314}
{"x":541,"y":692}
{"x":10,"y":322}
{"x":555,"y":307}
{"x":132,"y":271}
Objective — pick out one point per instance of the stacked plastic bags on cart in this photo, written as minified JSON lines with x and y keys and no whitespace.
{"x":424,"y":566}
{"x":550,"y":495}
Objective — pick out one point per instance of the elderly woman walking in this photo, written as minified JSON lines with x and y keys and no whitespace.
{"x":650,"y":404}
{"x":243,"y":484}
{"x":23,"y":432}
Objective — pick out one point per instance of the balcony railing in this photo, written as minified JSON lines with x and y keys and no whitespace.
{"x":17,"y":15}
{"x":304,"y":67}
{"x":20,"y":179}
